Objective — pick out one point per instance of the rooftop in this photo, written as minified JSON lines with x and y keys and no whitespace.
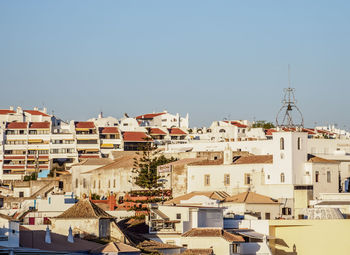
{"x":114,"y":247}
{"x":250,"y":198}
{"x":16,"y":125}
{"x":135,"y":137}
{"x":35,"y":112}
{"x":149,"y":115}
{"x":109,"y":130}
{"x":84,"y":209}
{"x":84,"y":124}
{"x":315,"y":159}
{"x":254,"y":159}
{"x":217,"y":195}
{"x":43,"y":125}
{"x":176,"y":131}
{"x":213,"y":232}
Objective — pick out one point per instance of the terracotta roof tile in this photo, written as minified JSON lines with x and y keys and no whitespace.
{"x":156,"y":131}
{"x":84,"y":124}
{"x":217,"y":195}
{"x":149,"y":115}
{"x":84,"y":209}
{"x":5,"y":111}
{"x":315,"y":159}
{"x":45,"y":124}
{"x":109,"y":130}
{"x":255,"y":159}
{"x":208,"y":162}
{"x":16,"y":125}
{"x":114,"y":248}
{"x":176,"y":131}
{"x":270,"y":131}
{"x":34,"y":112}
{"x":213,"y":232}
{"x":135,"y":137}
{"x":250,"y":198}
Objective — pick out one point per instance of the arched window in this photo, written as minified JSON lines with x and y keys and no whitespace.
{"x":299,"y":143}
{"x":222,"y":131}
{"x":282,"y":143}
{"x":282,"y":178}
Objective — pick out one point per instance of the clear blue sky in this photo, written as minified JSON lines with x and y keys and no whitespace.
{"x":212,"y":59}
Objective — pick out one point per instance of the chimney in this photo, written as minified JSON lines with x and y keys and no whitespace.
{"x":36,"y":109}
{"x":70,"y":235}
{"x":19,"y":110}
{"x":44,"y":110}
{"x":228,"y":155}
{"x":47,"y":235}
{"x":11,"y":108}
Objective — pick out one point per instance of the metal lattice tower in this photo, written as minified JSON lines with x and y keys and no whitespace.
{"x":285,"y":118}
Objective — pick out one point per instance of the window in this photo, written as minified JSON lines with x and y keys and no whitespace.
{"x":94,"y":184}
{"x":76,"y":183}
{"x":267,"y":216}
{"x":268,"y":177}
{"x":227,"y":179}
{"x":114,"y":183}
{"x":286,"y":211}
{"x":299,"y":143}
{"x":282,"y":143}
{"x":21,"y":194}
{"x":328,"y":176}
{"x":84,"y":183}
{"x":317,"y":176}
{"x":247,"y":179}
{"x":99,"y":184}
{"x":109,"y":183}
{"x":178,"y":216}
{"x":282,"y":178}
{"x":206,"y":180}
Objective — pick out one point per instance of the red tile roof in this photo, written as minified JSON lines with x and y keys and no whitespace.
{"x":135,"y":137}
{"x":149,"y":115}
{"x":17,"y":125}
{"x":109,"y":130}
{"x":5,"y":111}
{"x":34,"y":112}
{"x":156,"y":131}
{"x":176,"y":131}
{"x":237,"y":124}
{"x":45,"y":124}
{"x":84,"y":124}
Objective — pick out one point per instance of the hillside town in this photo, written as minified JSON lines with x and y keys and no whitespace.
{"x":153,"y":184}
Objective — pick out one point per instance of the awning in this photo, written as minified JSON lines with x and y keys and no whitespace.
{"x":107,"y":145}
{"x":83,"y":129}
{"x":79,"y":149}
{"x":35,"y":140}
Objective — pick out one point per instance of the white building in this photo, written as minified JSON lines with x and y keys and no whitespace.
{"x":163,"y":119}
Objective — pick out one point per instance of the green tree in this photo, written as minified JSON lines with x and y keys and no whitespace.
{"x":145,"y":166}
{"x":263,"y":124}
